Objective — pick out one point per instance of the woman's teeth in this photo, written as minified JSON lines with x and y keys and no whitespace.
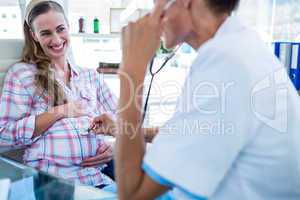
{"x":58,"y":47}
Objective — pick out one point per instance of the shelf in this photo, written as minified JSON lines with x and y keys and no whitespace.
{"x":107,"y":70}
{"x":94,"y":35}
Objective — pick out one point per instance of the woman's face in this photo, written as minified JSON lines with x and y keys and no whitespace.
{"x":51,"y":30}
{"x":176,"y":25}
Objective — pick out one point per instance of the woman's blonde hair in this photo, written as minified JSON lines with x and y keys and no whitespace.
{"x":34,"y":54}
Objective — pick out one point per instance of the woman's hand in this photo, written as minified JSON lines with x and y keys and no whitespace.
{"x":71,"y":109}
{"x":140,"y":41}
{"x":104,"y":155}
{"x":47,"y":119}
{"x":103,"y":124}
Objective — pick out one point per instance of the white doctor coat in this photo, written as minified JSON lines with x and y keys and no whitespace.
{"x":236,"y":131}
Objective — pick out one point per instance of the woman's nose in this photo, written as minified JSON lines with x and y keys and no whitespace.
{"x":56,"y":39}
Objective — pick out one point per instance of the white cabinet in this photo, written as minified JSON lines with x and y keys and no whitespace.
{"x":97,"y":48}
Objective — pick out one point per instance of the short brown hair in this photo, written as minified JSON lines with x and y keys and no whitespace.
{"x":222,"y":6}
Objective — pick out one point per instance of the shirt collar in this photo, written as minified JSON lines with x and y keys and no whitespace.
{"x":231,"y":24}
{"x":75,"y":70}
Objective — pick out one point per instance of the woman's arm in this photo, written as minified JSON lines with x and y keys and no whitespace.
{"x":44,"y":121}
{"x":47,"y":119}
{"x":18,"y":125}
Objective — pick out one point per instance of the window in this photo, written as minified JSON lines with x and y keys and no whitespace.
{"x":10,"y":20}
{"x":257,"y":14}
{"x":287,"y":20}
{"x":274,"y":20}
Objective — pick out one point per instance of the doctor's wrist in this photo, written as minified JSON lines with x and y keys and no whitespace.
{"x":135,"y":72}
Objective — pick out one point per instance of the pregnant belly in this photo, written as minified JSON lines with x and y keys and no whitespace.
{"x":65,"y":143}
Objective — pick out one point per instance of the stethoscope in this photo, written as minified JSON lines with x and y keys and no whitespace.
{"x":153,"y":73}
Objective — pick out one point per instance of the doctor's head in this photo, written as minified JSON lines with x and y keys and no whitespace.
{"x":46,"y":30}
{"x":194,"y":21}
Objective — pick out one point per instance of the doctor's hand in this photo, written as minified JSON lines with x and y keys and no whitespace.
{"x":140,"y":40}
{"x":104,"y":155}
{"x":103,"y":124}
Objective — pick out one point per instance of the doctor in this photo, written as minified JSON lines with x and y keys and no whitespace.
{"x":235,"y":133}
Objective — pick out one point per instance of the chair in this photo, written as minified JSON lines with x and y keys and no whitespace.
{"x":10,"y":53}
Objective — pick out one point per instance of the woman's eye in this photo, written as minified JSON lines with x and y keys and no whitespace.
{"x":61,"y":29}
{"x":45,"y":34}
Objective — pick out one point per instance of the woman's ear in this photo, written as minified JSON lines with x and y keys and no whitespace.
{"x":33,"y":35}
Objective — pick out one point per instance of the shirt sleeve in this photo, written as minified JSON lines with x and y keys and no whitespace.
{"x":106,"y":97}
{"x":16,"y":121}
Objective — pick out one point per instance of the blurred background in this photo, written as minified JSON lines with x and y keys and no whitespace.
{"x":274,"y":20}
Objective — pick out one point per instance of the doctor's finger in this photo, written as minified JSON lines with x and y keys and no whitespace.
{"x":100,"y":118}
{"x":158,"y":10}
{"x":103,"y":130}
{"x":128,"y":31}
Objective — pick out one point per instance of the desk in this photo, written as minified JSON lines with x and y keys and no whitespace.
{"x":4,"y":149}
{"x":46,"y":186}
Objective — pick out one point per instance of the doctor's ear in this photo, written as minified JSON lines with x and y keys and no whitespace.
{"x":187,"y":3}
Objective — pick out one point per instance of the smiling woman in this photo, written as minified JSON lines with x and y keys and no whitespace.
{"x":43,"y":36}
{"x":45,"y":100}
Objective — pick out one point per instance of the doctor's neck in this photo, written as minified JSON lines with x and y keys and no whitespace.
{"x":205,"y":31}
{"x":205,"y":24}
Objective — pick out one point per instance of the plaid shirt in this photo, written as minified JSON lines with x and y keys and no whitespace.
{"x":61,"y":148}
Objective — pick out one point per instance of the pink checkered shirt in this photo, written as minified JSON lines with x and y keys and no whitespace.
{"x":61,"y":148}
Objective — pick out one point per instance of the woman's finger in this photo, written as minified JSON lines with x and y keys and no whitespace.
{"x":98,"y":158}
{"x":95,"y":158}
{"x":99,"y":119}
{"x":92,"y":164}
{"x":103,"y":148}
